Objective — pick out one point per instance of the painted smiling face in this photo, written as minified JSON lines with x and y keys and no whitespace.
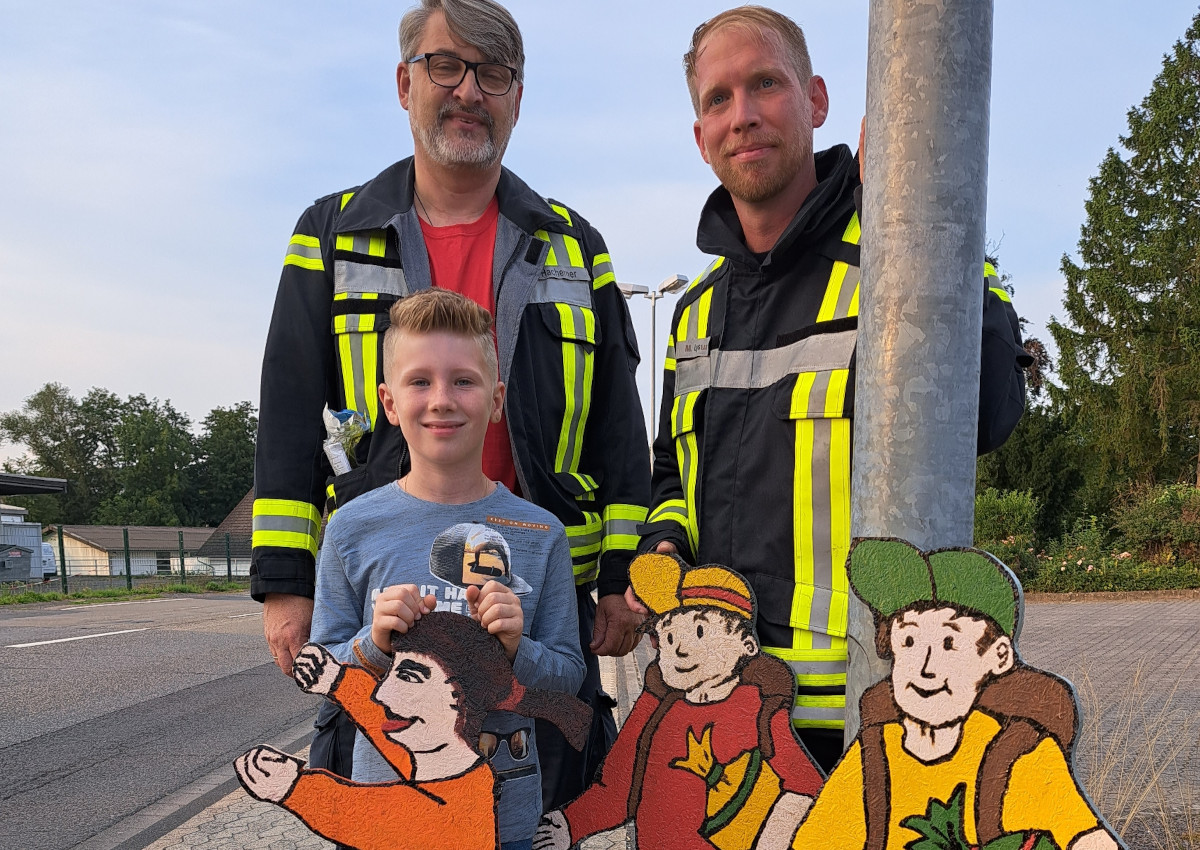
{"x":421,"y":702}
{"x":701,"y":647}
{"x":937,"y":666}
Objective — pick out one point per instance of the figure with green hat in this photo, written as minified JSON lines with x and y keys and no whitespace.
{"x":964,"y":746}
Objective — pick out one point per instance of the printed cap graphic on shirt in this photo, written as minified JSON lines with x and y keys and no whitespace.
{"x":472,"y":553}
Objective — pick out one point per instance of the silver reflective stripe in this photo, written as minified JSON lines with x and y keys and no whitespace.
{"x":357,"y":366}
{"x":621,"y":526}
{"x":599,"y":270}
{"x":365,"y":277}
{"x":822,"y":543}
{"x":812,"y":712}
{"x":755,"y":370}
{"x":310,"y":252}
{"x":586,"y":540}
{"x":554,"y":289}
{"x":846,"y":295}
{"x":577,"y":388}
{"x":801,"y":669}
{"x":359,"y":323}
{"x":562,"y":257}
{"x":294,"y":524}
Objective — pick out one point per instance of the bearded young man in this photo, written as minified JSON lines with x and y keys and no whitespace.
{"x":752,"y":457}
{"x":452,"y":216}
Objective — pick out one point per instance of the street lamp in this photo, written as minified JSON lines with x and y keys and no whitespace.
{"x":674,"y":283}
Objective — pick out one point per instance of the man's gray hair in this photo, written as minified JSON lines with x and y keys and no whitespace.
{"x":483,"y":24}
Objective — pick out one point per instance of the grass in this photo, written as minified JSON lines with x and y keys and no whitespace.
{"x":1139,"y":759}
{"x":108,"y":593}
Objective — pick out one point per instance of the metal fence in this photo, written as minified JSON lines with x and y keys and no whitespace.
{"x":225,"y":558}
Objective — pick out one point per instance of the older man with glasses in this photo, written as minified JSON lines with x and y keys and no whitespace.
{"x":452,"y":216}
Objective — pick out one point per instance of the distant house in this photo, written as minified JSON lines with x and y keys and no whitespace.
{"x":100,"y":549}
{"x":239,"y":527}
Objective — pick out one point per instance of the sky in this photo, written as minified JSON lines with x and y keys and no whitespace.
{"x":154,"y":157}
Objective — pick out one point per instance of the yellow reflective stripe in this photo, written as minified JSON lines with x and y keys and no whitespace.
{"x":989,"y":270}
{"x":345,"y":242}
{"x":703,"y":276}
{"x":577,"y":381}
{"x":688,"y":463}
{"x":574,"y":254}
{"x":346,"y":358}
{"x":585,"y":542}
{"x":669,"y":361}
{"x":378,"y":243}
{"x":345,"y":200}
{"x":853,"y":232}
{"x":563,"y":213}
{"x":305,"y":252}
{"x":833,"y":292}
{"x":621,"y":526}
{"x":673,"y":510}
{"x":602,"y":271}
{"x":370,"y":377}
{"x":802,"y":515}
{"x":1002,"y":294}
{"x":285,"y":523}
{"x":705,"y":304}
{"x":853,"y":311}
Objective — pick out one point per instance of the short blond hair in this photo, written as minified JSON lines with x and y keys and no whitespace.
{"x":756,"y":21}
{"x":440,"y":311}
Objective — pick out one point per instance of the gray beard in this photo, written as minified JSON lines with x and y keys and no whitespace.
{"x":446,"y":151}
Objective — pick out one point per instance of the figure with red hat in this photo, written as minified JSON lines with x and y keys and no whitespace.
{"x":707,"y":757}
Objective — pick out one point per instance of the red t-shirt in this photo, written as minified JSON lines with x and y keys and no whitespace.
{"x":460,"y":259}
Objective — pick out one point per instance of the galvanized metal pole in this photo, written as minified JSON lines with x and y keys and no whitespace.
{"x":921,"y":303}
{"x":228,"y":560}
{"x":128,"y":560}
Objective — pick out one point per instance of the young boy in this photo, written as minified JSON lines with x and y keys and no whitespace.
{"x":707,"y":756}
{"x":964,"y":745}
{"x":441,"y":389}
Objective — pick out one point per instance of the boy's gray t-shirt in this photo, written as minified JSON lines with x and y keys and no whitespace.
{"x":386,"y":537}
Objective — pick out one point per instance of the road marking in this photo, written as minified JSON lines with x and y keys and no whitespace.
{"x":239,"y":616}
{"x":67,"y":640}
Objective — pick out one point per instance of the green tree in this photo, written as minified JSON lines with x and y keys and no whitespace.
{"x":1129,"y":349}
{"x":224,"y":470}
{"x":154,"y":452}
{"x":65,"y":438}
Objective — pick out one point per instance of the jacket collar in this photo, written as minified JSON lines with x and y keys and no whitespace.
{"x":720,"y":232}
{"x":380,"y":199}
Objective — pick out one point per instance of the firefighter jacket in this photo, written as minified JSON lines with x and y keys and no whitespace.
{"x":752,"y":457}
{"x":567,"y":355}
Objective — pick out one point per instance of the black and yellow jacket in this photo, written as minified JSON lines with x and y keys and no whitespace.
{"x":752,"y":457}
{"x":567,"y":355}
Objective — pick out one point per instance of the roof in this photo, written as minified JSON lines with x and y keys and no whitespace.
{"x":111,"y":537}
{"x":239,"y":525}
{"x":12,"y":484}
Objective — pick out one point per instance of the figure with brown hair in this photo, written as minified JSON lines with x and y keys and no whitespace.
{"x":426,"y":717}
{"x":963,"y":746}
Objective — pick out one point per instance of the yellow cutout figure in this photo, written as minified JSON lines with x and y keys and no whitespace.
{"x":963,"y":746}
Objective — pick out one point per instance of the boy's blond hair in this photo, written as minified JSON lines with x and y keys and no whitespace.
{"x":757,"y":22}
{"x":440,"y":311}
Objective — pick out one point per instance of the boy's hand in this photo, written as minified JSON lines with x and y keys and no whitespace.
{"x":498,"y":610}
{"x":552,"y":833}
{"x":396,"y":609}
{"x":315,"y":669}
{"x":267,"y":774}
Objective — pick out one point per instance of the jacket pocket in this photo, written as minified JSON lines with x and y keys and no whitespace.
{"x":574,"y":329}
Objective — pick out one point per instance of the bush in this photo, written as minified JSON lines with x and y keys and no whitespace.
{"x":1160,"y":525}
{"x":1083,"y":561}
{"x":1004,"y":526}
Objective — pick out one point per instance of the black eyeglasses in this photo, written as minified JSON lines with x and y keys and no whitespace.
{"x":518,"y":744}
{"x":449,"y":71}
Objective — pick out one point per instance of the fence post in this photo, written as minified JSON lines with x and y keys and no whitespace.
{"x":62,"y":559}
{"x":228,"y":560}
{"x":128,"y":561}
{"x":182,"y":568}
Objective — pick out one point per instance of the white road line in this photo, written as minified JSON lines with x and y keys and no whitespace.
{"x":90,"y":605}
{"x":67,"y":640}
{"x":239,"y":616}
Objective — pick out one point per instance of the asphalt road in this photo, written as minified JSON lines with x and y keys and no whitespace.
{"x":109,"y":708}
